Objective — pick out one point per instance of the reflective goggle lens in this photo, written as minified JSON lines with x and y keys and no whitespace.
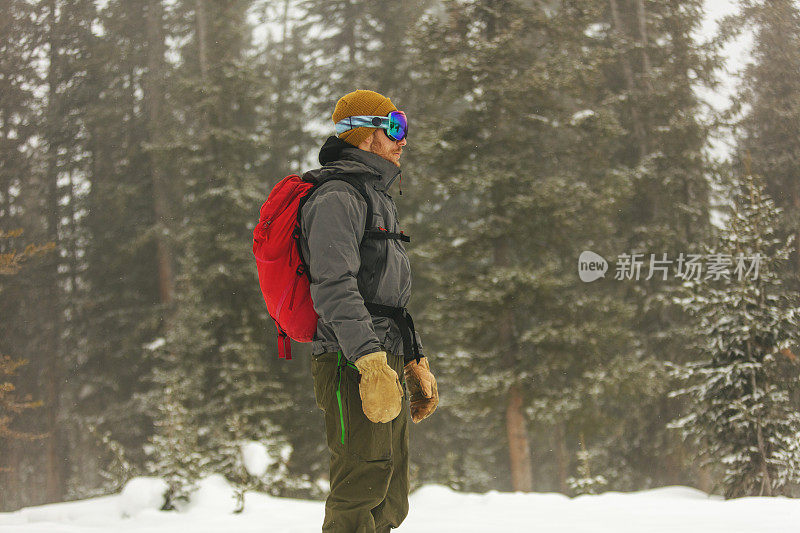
{"x":398,"y":126}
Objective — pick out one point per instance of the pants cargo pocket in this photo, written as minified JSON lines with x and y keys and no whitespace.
{"x":323,"y":370}
{"x":327,"y":395}
{"x":367,"y":440}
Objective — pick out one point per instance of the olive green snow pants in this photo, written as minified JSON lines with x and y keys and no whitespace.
{"x":369,"y":461}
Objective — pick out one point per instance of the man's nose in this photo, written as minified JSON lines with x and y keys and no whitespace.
{"x":402,"y":142}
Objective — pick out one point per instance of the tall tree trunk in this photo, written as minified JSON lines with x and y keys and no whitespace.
{"x":154,"y":97}
{"x":562,"y":456}
{"x":207,"y":120}
{"x":516,"y":424}
{"x":766,"y":482}
{"x":642,"y":16}
{"x":647,"y":85}
{"x":54,"y":478}
{"x":638,"y":126}
{"x":704,"y":482}
{"x":281,"y":143}
{"x":5,"y":177}
{"x":9,"y":476}
{"x":74,"y":242}
{"x":202,"y":38}
{"x":518,"y":446}
{"x":796,"y":201}
{"x":350,"y":34}
{"x":283,"y":81}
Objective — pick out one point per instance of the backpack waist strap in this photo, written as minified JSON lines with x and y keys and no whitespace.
{"x":404,"y":322}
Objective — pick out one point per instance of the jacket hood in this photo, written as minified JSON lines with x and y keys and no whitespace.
{"x":337,"y":155}
{"x":332,"y":150}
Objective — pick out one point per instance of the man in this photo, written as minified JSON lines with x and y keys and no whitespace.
{"x":365,"y":338}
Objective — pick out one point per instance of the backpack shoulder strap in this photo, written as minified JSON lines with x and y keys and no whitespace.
{"x":356,"y":183}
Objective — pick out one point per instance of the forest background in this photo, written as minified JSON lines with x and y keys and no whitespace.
{"x":138,"y":140}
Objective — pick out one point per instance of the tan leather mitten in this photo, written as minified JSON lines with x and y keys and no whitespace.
{"x":422,"y":388}
{"x":379,"y":388}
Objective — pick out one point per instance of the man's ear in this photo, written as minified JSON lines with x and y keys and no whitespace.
{"x":365,"y":144}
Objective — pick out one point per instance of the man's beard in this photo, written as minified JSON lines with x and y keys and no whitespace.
{"x":377,"y":148}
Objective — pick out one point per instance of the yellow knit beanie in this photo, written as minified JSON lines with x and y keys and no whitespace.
{"x":361,"y":102}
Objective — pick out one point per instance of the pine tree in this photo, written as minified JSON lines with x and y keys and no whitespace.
{"x":551,"y":130}
{"x":216,"y":348}
{"x":510,"y":190}
{"x":12,"y":405}
{"x":585,"y":482}
{"x":17,"y":408}
{"x":285,"y":88}
{"x":19,"y":110}
{"x":742,"y":385}
{"x":121,"y":305}
{"x":66,"y":40}
{"x":117,"y":470}
{"x":652,"y":74}
{"x":177,"y":455}
{"x":44,"y":159}
{"x":765,"y":112}
{"x":164,"y":203}
{"x":286,"y":94}
{"x":364,"y":44}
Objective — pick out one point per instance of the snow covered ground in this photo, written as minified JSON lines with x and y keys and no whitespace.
{"x":434,"y":509}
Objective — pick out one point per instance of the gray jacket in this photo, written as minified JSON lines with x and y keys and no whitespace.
{"x":345,"y":269}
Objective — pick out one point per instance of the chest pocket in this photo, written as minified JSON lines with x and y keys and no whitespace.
{"x":373,"y":259}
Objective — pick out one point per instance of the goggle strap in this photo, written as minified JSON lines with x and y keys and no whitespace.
{"x":369,"y":121}
{"x":360,"y":121}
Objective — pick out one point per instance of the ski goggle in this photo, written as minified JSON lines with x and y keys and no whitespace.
{"x":395,"y":124}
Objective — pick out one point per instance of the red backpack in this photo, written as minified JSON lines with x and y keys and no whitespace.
{"x":282,"y":272}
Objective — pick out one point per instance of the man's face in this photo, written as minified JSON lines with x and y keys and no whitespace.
{"x":385,"y":147}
